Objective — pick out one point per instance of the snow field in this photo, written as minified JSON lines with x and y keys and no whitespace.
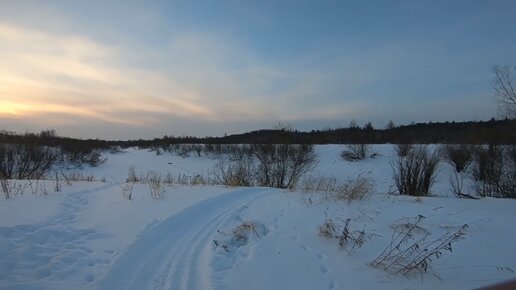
{"x":89,"y":237}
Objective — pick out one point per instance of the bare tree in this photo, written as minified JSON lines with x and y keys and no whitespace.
{"x":505,"y":91}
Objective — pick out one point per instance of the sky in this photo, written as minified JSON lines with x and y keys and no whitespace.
{"x":144,"y":69}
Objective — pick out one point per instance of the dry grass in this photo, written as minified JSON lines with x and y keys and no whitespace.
{"x":156,"y":185}
{"x":329,"y":229}
{"x":356,"y":189}
{"x":247,"y":229}
{"x":348,"y":236}
{"x":353,"y":189}
{"x":127,"y":190}
{"x":411,"y":252}
{"x":241,"y":234}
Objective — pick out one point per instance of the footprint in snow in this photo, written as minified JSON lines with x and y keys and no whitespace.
{"x":319,"y":255}
{"x":89,"y":278}
{"x":332,"y":285}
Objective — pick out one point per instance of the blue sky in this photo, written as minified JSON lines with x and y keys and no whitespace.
{"x":142,"y":69}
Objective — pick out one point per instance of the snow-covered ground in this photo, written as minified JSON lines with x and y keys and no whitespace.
{"x":88,"y":236}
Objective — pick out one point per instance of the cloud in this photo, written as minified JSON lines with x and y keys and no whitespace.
{"x":43,"y":74}
{"x":194,"y":81}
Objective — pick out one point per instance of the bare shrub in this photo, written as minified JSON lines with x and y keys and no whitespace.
{"x":235,"y":173}
{"x":79,"y":153}
{"x":131,"y":175}
{"x":272,"y":165}
{"x":494,"y":172}
{"x":37,"y":187}
{"x":25,"y":162}
{"x":459,"y":156}
{"x":355,"y":152}
{"x":403,"y":150}
{"x":281,"y":165}
{"x":411,"y":252}
{"x":457,"y":184}
{"x":414,"y":174}
{"x":6,"y":188}
{"x":57,"y":185}
{"x":156,"y":186}
{"x":12,"y":188}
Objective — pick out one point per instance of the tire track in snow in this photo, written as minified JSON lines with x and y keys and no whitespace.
{"x":175,"y":253}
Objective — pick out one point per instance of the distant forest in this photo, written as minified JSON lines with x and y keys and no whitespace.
{"x":473,"y":132}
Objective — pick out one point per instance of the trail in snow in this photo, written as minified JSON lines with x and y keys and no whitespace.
{"x":175,"y":253}
{"x":48,"y":251}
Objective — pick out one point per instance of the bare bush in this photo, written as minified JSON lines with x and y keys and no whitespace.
{"x":403,"y":150}
{"x":57,"y":185}
{"x":37,"y":187}
{"x":411,"y":252}
{"x":25,"y":162}
{"x":414,"y":174}
{"x":6,"y":188}
{"x":235,"y":173}
{"x":81,"y":153}
{"x":12,"y":188}
{"x":273,"y":165}
{"x":457,"y":185}
{"x":494,"y":172}
{"x":281,"y":165}
{"x":355,"y":152}
{"x":459,"y":156}
{"x":132,"y":176}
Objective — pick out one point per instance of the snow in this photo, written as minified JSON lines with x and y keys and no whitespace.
{"x":88,"y":236}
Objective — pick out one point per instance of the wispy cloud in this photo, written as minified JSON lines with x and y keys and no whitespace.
{"x":45,"y":74}
{"x":147,"y":70}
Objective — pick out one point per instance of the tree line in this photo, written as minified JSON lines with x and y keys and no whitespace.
{"x":471,"y":132}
